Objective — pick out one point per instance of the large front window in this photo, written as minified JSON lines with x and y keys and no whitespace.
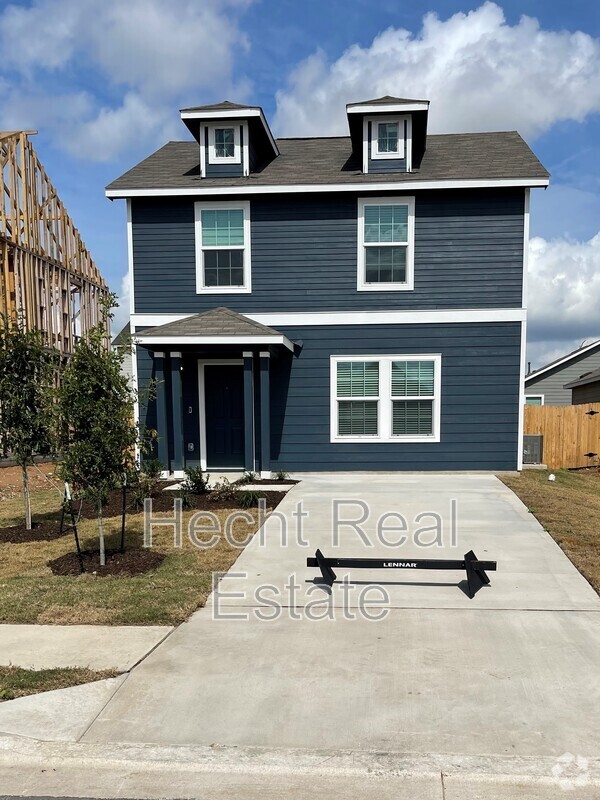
{"x":385,"y":244}
{"x":385,"y":398}
{"x":223,"y":247}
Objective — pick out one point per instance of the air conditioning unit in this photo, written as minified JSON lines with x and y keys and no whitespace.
{"x":533,"y":448}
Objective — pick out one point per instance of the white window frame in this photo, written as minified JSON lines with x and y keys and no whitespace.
{"x":237,"y":149}
{"x":409,"y":284}
{"x":385,"y":400}
{"x":199,"y":207}
{"x":541,"y":396}
{"x":401,"y":151}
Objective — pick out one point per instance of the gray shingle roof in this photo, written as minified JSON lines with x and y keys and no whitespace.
{"x":563,"y":359}
{"x":215,"y":322}
{"x":386,"y":100}
{"x":591,"y":377}
{"x":323,"y":160}
{"x":224,"y":105}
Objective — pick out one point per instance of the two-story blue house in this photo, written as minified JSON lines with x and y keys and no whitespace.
{"x":331,"y":303}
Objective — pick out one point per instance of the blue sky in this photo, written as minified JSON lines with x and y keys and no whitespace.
{"x":102,"y":81}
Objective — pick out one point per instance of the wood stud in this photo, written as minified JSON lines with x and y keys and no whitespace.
{"x":46,"y":273}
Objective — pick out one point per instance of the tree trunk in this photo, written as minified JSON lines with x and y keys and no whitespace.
{"x":27,"y":498}
{"x":101,"y":535}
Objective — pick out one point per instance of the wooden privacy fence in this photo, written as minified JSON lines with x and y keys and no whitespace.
{"x":571,"y":433}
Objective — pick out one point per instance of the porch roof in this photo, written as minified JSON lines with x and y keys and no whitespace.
{"x":216,"y":326}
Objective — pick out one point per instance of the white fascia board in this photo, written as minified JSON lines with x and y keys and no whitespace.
{"x":240,"y":340}
{"x":391,"y":108}
{"x":316,"y":318}
{"x":562,"y":361}
{"x":391,"y":317}
{"x":404,"y":186}
{"x":237,"y":113}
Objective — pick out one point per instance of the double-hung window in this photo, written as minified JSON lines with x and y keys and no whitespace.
{"x":386,"y":244}
{"x":223,"y":248}
{"x":385,"y":398}
{"x":224,"y":144}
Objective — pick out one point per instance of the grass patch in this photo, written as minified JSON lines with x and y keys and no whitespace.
{"x":569,"y":509}
{"x":167,"y":595}
{"x":17,"y":682}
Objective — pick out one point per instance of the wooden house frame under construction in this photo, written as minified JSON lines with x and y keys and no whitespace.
{"x":46,"y":273}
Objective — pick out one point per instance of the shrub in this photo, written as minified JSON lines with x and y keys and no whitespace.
{"x":247,"y":477}
{"x":153,"y":468}
{"x":248,"y":499}
{"x":281,"y":475}
{"x":196,"y":481}
{"x":223,"y":490}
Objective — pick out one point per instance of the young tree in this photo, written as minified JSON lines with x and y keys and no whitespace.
{"x":97,"y":433}
{"x":26,"y":398}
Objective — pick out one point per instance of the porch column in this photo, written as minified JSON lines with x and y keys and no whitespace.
{"x":161,"y":410}
{"x":265,"y":416}
{"x":248,"y":412}
{"x":177,"y":412}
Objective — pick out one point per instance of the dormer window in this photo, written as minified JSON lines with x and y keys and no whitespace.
{"x":387,"y":139}
{"x":224,"y":144}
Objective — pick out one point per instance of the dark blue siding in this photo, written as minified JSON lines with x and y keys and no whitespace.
{"x":468,"y":254}
{"x":480,"y":398}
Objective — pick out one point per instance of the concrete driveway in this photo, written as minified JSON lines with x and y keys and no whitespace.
{"x":511,"y":673}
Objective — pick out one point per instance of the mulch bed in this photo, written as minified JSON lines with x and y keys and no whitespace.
{"x":163,"y":501}
{"x":132,"y":562}
{"x":44,"y":531}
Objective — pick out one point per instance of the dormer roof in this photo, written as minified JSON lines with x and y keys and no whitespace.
{"x":259,"y":130}
{"x":385,"y":104}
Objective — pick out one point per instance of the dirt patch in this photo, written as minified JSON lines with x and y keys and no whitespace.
{"x":131,"y":562}
{"x":40,"y":532}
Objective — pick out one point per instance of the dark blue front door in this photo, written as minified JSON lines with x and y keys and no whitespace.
{"x":224,"y":403}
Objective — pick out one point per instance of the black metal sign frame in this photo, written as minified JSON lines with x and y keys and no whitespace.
{"x":474,"y":568}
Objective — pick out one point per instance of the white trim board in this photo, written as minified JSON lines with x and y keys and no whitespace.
{"x":390,"y":108}
{"x":400,"y":186}
{"x":130,"y":259}
{"x":172,"y":341}
{"x":576,"y":354}
{"x":457,"y":315}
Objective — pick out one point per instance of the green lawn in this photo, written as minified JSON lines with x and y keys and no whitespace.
{"x":569,"y":509}
{"x":17,"y":682}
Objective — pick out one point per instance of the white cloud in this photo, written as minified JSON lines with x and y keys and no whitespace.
{"x":564,"y":296}
{"x":121,"y":313}
{"x":479,"y":72}
{"x":147,"y":54}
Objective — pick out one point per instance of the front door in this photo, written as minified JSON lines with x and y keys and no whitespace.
{"x":224,"y":404}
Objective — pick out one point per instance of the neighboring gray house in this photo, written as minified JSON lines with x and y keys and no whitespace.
{"x":586,"y":389}
{"x":547,"y":385}
{"x":331,"y":303}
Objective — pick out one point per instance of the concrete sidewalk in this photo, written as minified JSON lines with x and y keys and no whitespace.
{"x":97,"y":647}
